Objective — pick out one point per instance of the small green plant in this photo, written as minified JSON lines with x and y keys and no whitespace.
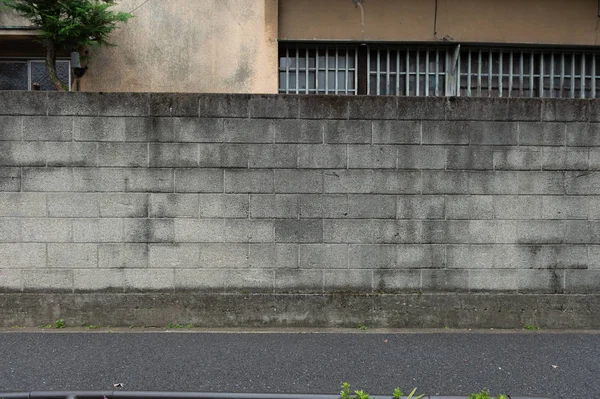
{"x":485,"y":395}
{"x":45,"y":326}
{"x":179,"y":326}
{"x":532,"y":327}
{"x":360,"y":394}
{"x":91,"y":326}
{"x":60,"y":323}
{"x":363,"y":326}
{"x":345,"y":392}
{"x":397,"y":393}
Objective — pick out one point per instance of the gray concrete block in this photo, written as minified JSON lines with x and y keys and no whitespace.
{"x":46,"y":230}
{"x":542,"y":133}
{"x":199,"y":181}
{"x":121,"y":256}
{"x":22,"y":256}
{"x":582,"y":183}
{"x":540,"y":232}
{"x":552,"y":183}
{"x":312,"y":156}
{"x":173,"y":206}
{"x":23,"y":205}
{"x":352,"y":181}
{"x":419,"y":256}
{"x":168,"y":155}
{"x":10,"y":230}
{"x":420,"y":207}
{"x":42,"y":128}
{"x":348,"y":280}
{"x":594,"y":158}
{"x":494,"y":133}
{"x":493,"y":280}
{"x":565,"y":158}
{"x":396,"y":132}
{"x":251,"y":280}
{"x":541,"y":281}
{"x":273,"y":256}
{"x":123,"y":154}
{"x":372,"y":157}
{"x":298,"y":231}
{"x":582,"y":281}
{"x":121,"y":104}
{"x":10,"y":179}
{"x":240,"y":230}
{"x":444,"y":280}
{"x":23,"y":103}
{"x":593,"y":111}
{"x":174,"y":256}
{"x":199,"y":130}
{"x":560,"y":207}
{"x":518,"y":256}
{"x":298,"y":281}
{"x":470,"y":256}
{"x":99,"y":180}
{"x":348,"y":132}
{"x":493,"y":182}
{"x":150,"y":129}
{"x":390,"y":281}
{"x":249,"y":131}
{"x":524,"y":158}
{"x":223,"y":156}
{"x":348,"y":231}
{"x":120,"y":205}
{"x":469,"y":158}
{"x":362,"y":107}
{"x":249,"y":181}
{"x":124,"y":280}
{"x":273,"y":156}
{"x":224,"y":256}
{"x":271,"y":106}
{"x":372,"y":207}
{"x":567,"y":110}
{"x":459,"y":232}
{"x":449,"y":132}
{"x":323,"y":107}
{"x":10,"y":280}
{"x":73,"y":256}
{"x":582,"y":232}
{"x":583,"y":134}
{"x":445,"y":182}
{"x":299,"y":131}
{"x":421,"y":108}
{"x":469,"y":207}
{"x":493,"y":109}
{"x":274,"y":206}
{"x":187,"y":230}
{"x":11,"y":128}
{"x":205,"y":280}
{"x":79,"y":205}
{"x":372,"y":256}
{"x":98,"y":230}
{"x":149,"y":180}
{"x":148,"y":230}
{"x":395,"y":182}
{"x":173,"y":104}
{"x":47,"y":280}
{"x":99,"y":129}
{"x":224,"y":205}
{"x":223,"y":105}
{"x":396,"y":232}
{"x":593,"y":257}
{"x":326,"y":206}
{"x":518,"y":207}
{"x":71,"y":154}
{"x":298,"y":181}
{"x":568,"y":256}
{"x":13,"y":153}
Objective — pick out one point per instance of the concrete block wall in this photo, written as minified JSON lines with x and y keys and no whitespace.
{"x":290,"y":194}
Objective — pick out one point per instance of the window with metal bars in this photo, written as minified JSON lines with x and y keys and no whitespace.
{"x":22,"y":74}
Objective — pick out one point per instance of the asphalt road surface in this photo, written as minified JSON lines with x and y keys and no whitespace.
{"x":555,"y":365}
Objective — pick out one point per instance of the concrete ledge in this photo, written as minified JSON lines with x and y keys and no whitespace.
{"x":295,"y":310}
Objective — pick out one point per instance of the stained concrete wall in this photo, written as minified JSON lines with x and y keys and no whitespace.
{"x":184,"y":197}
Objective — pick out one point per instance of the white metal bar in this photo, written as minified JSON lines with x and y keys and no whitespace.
{"x":531,"y":77}
{"x":336,"y":71}
{"x":562,"y":73}
{"x":437,"y":72}
{"x":593,"y":75}
{"x":387,"y":82}
{"x":572,"y":75}
{"x":469,"y":75}
{"x":297,"y":70}
{"x":479,"y":66}
{"x":398,"y":71}
{"x":552,"y":74}
{"x":378,"y":72}
{"x":317,"y":70}
{"x":457,"y":63}
{"x":326,"y":70}
{"x":287,"y":70}
{"x":510,"y":74}
{"x":490,"y":74}
{"x":356,"y":70}
{"x":582,"y":75}
{"x":407,"y":72}
{"x":307,"y":66}
{"x":426,"y":72}
{"x":417,"y":72}
{"x":541,"y":75}
{"x":500,"y":72}
{"x":521,"y":73}
{"x":369,"y":72}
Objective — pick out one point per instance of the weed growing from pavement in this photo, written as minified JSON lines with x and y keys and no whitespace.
{"x":363,"y":327}
{"x":532,"y":327}
{"x":360,"y":394}
{"x":485,"y":395}
{"x":60,"y":323}
{"x":179,"y":326}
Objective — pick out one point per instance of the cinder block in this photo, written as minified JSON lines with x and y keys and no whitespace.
{"x":396,"y":132}
{"x":372,"y":207}
{"x":311,"y":156}
{"x":348,"y":132}
{"x":250,"y":280}
{"x":149,"y":129}
{"x":524,"y":158}
{"x":79,"y":205}
{"x":419,"y":256}
{"x":469,"y":158}
{"x":149,"y":180}
{"x":348,"y":231}
{"x":71,"y":154}
{"x":421,"y":108}
{"x":396,"y":232}
{"x":21,"y":256}
{"x":594,"y":158}
{"x":299,"y":131}
{"x":99,"y":129}
{"x":99,"y":179}
{"x":273,"y":106}
{"x":47,"y":280}
{"x":493,"y":182}
{"x":493,"y":109}
{"x":298,"y":181}
{"x":582,"y":232}
{"x":249,"y":181}
{"x":223,"y":156}
{"x":98,"y":230}
{"x":174,"y":256}
{"x":274,"y":206}
{"x":541,"y":281}
{"x":10,"y":280}
{"x":23,"y":103}
{"x":298,"y":231}
{"x":199,"y":230}
{"x":494,"y":133}
{"x":583,"y":134}
{"x":299,"y":281}
{"x":173,"y":206}
{"x":44,"y":128}
{"x":353,"y":181}
{"x":43,"y":179}
{"x":396,"y":182}
{"x":240,"y":230}
{"x":567,"y":110}
{"x":198,"y":181}
{"x":552,"y":183}
{"x":73,"y":256}
{"x":444,"y":280}
{"x":169,"y":155}
{"x":450,"y":132}
{"x":372,"y":157}
{"x":469,"y":207}
{"x":459,"y":232}
{"x":46,"y":230}
{"x":542,"y":133}
{"x":205,"y":280}
{"x":122,"y":104}
{"x":199,"y":130}
{"x":492,"y":280}
{"x":566,"y":159}
{"x":445,"y":182}
{"x":518,"y":256}
{"x":517,"y":207}
{"x":568,"y":257}
{"x":10,"y":179}
{"x":470,"y":256}
{"x":593,"y":256}
{"x":362,"y":107}
{"x":249,"y":131}
{"x":326,"y":206}
{"x":273,"y":156}
{"x":228,"y":256}
{"x":273,"y":256}
{"x":148,"y":230}
{"x":223,"y":105}
{"x":173,"y":104}
{"x":126,"y":205}
{"x":148,"y":279}
{"x":560,"y":207}
{"x":393,"y":281}
{"x":421,"y":207}
{"x":540,"y":232}
{"x":17,"y":153}
{"x":123,"y":154}
{"x":11,"y":128}
{"x":323,"y":107}
{"x":582,"y":183}
{"x":372,"y":256}
{"x":10,"y":230}
{"x":121,"y":256}
{"x":23,"y":205}
{"x":582,"y":281}
{"x":348,"y":280}
{"x":224,"y":205}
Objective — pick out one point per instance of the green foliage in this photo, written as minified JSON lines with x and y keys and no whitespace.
{"x":345,"y":393}
{"x":363,"y":326}
{"x":60,"y":323}
{"x":397,"y":393}
{"x":45,"y":326}
{"x":360,"y":394}
{"x":91,"y":326}
{"x":532,"y":327}
{"x":178,"y":326}
{"x":485,"y":395}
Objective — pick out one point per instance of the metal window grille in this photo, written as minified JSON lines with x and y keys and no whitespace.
{"x":318,"y":69}
{"x":22,"y":74}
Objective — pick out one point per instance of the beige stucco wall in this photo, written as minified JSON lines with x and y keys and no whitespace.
{"x":9,"y":18}
{"x":190,"y":46}
{"x":507,"y":21}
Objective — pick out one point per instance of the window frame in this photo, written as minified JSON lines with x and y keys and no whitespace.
{"x":29,"y":61}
